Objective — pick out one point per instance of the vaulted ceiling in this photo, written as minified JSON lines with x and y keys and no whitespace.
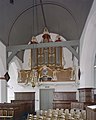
{"x":22,"y":19}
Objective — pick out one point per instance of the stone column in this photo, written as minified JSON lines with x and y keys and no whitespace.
{"x":3,"y":90}
{"x":87,"y":57}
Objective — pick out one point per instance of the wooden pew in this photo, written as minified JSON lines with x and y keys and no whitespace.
{"x":30,"y":105}
{"x":63,"y":99}
{"x":14,"y":110}
{"x":81,"y":105}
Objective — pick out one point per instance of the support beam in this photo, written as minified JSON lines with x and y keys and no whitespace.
{"x":67,"y":44}
{"x":43,"y":45}
{"x":73,"y":51}
{"x":11,"y":56}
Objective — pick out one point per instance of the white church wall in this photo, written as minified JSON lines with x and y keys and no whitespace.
{"x":95,"y":78}
{"x":67,"y":58}
{"x":3,"y":58}
{"x":27,"y":56}
{"x":3,"y":90}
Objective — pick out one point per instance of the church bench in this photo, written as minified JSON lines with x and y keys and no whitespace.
{"x":16,"y":110}
{"x":63,"y":99}
{"x":30,"y":105}
{"x":81,"y":105}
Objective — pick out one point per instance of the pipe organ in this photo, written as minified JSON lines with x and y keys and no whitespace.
{"x":46,"y":63}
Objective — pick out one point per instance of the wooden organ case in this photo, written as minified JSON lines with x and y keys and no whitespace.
{"x":46,"y":63}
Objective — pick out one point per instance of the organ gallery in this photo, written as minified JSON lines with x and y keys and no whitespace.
{"x":46,"y":64}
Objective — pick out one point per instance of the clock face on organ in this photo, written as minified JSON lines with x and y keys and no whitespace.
{"x":44,"y":71}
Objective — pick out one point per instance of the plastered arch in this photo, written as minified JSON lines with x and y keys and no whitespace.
{"x":14,"y":67}
{"x":88,"y":54}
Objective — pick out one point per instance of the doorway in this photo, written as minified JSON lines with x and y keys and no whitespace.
{"x":46,"y":99}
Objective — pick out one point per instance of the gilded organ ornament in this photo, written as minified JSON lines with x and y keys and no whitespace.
{"x":46,"y":63}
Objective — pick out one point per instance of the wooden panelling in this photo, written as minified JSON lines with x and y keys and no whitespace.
{"x":28,"y":97}
{"x":30,"y":104}
{"x":24,"y":95}
{"x":65,"y":75}
{"x":63,"y":99}
{"x":64,"y":95}
{"x":77,"y":105}
{"x":16,"y":110}
{"x":86,"y":95}
{"x":81,"y":105}
{"x":62,"y":104}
